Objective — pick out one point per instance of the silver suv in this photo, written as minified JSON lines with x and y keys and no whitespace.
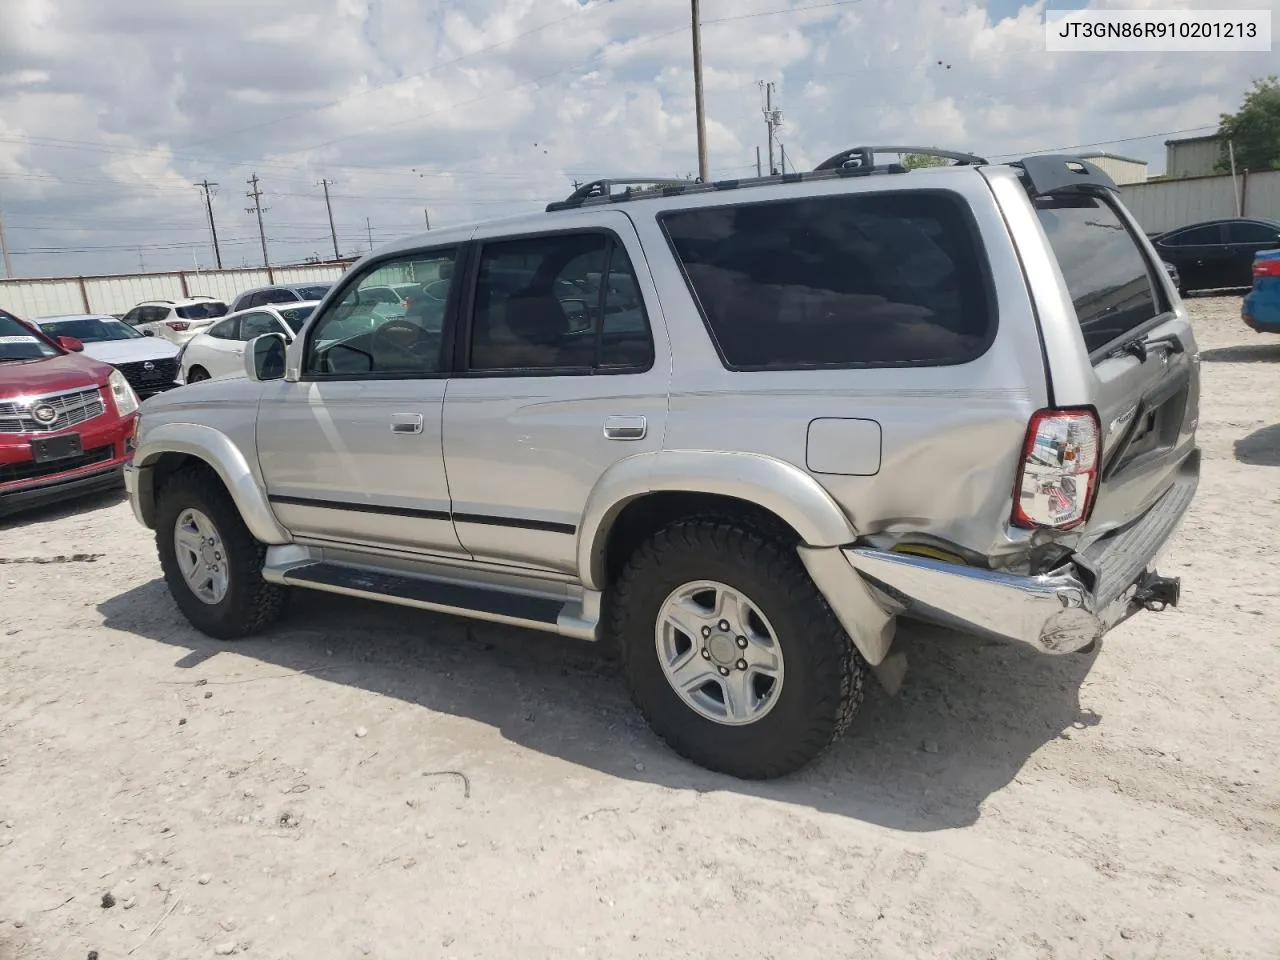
{"x":737,"y":428}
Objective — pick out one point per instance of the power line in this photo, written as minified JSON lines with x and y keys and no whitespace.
{"x":333,"y":232}
{"x":1103,"y":143}
{"x":256,"y":196}
{"x":208,"y":205}
{"x":4,"y":250}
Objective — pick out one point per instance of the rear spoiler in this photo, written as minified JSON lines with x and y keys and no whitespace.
{"x":1056,"y":174}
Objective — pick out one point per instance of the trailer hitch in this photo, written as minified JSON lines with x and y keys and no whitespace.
{"x":1156,"y":592}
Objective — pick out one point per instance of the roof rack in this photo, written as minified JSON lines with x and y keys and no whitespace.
{"x":599,"y":189}
{"x":866,"y":157}
{"x":857,"y":162}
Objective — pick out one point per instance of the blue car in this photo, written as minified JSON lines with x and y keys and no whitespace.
{"x":1261,"y":308}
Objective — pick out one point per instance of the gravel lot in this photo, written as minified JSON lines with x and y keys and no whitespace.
{"x":368,"y":781}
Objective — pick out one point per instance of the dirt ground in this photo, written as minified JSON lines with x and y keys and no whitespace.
{"x":367,"y":781}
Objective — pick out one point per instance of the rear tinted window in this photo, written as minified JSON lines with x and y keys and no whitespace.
{"x":866,"y":280}
{"x":1106,"y":274}
{"x":202,"y":311}
{"x":313,"y":293}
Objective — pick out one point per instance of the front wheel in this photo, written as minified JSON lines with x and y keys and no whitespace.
{"x":196,"y":374}
{"x":731,"y":653}
{"x":211,"y":562}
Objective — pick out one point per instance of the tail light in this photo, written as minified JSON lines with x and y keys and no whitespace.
{"x":177,"y":325}
{"x":1269,"y":267}
{"x":1058,"y":480}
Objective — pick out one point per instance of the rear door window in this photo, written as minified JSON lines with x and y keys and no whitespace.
{"x":883,"y":279}
{"x":1106,"y":274}
{"x":1252,"y":232}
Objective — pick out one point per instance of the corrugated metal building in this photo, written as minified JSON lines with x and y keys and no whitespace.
{"x":1162,"y":205}
{"x":1120,"y":169}
{"x":1192,"y":156}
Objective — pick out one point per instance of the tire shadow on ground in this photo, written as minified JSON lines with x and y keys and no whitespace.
{"x":1260,"y":448}
{"x":1243,"y":353}
{"x":969,"y":716}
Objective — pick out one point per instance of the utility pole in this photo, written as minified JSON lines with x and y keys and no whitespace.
{"x":772,"y":119}
{"x":142,"y":264}
{"x":332,"y":230}
{"x":4,"y":250}
{"x":759,"y":172}
{"x":699,"y":112}
{"x":782,"y":158}
{"x":369,"y":227}
{"x":208,"y":206}
{"x":256,"y":196}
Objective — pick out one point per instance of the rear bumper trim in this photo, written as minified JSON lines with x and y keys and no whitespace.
{"x":1059,"y":612}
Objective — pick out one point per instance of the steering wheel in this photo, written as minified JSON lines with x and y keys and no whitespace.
{"x":403,"y":337}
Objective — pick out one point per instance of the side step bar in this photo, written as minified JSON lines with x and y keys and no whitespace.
{"x":549,"y":614}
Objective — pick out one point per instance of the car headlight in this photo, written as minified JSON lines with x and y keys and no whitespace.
{"x":125,"y":399}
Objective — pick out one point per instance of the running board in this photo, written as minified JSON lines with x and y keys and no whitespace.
{"x":553,"y":615}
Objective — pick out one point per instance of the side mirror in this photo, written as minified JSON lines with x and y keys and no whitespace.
{"x":71,"y":343}
{"x":148,"y":333}
{"x":264,"y":357}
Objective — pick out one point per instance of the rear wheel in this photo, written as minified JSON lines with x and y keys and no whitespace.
{"x":211,"y":562}
{"x":731,"y":653}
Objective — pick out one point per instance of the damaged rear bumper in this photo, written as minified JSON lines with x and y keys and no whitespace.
{"x":1062,"y":611}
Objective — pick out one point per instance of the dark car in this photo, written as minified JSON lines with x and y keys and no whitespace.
{"x":1218,"y":253}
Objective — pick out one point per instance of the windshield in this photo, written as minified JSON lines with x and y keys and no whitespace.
{"x":313,"y":293}
{"x":202,"y":311}
{"x":296,"y":317}
{"x":91,"y":330}
{"x":17,"y":342}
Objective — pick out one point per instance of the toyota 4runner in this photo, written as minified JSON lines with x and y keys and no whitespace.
{"x":738,"y":429}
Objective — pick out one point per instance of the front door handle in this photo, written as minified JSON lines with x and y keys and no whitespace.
{"x":406,"y":423}
{"x":626,"y":428}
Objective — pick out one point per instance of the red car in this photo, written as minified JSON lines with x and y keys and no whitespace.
{"x":66,"y":421}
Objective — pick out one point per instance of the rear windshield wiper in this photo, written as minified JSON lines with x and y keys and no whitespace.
{"x":1141,"y":346}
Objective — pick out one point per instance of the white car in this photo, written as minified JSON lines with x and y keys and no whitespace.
{"x":175,"y":320}
{"x":218,"y":352}
{"x":150,"y":364}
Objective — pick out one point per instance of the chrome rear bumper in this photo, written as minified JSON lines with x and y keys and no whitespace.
{"x":1058,"y":612}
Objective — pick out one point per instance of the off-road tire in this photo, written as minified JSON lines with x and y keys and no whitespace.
{"x":824,"y":678}
{"x":251,"y":603}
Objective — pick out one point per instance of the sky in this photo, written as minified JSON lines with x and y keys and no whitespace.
{"x":460,"y":110}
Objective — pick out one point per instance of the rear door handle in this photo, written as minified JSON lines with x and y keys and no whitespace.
{"x":626,"y":428}
{"x":406,"y":423}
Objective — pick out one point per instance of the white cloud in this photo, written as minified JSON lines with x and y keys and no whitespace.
{"x":475,"y":108}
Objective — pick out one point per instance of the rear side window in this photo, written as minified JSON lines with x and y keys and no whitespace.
{"x":1106,"y":274}
{"x":884,"y":279}
{"x":228,"y":329}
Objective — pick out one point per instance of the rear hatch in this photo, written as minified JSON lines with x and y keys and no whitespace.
{"x":1117,"y":338}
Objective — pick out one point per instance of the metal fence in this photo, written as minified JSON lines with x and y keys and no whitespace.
{"x":117,"y":294}
{"x":1162,"y":205}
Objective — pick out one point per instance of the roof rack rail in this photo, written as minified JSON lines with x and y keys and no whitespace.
{"x":1056,"y":174}
{"x":597,"y":189}
{"x":866,"y":157}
